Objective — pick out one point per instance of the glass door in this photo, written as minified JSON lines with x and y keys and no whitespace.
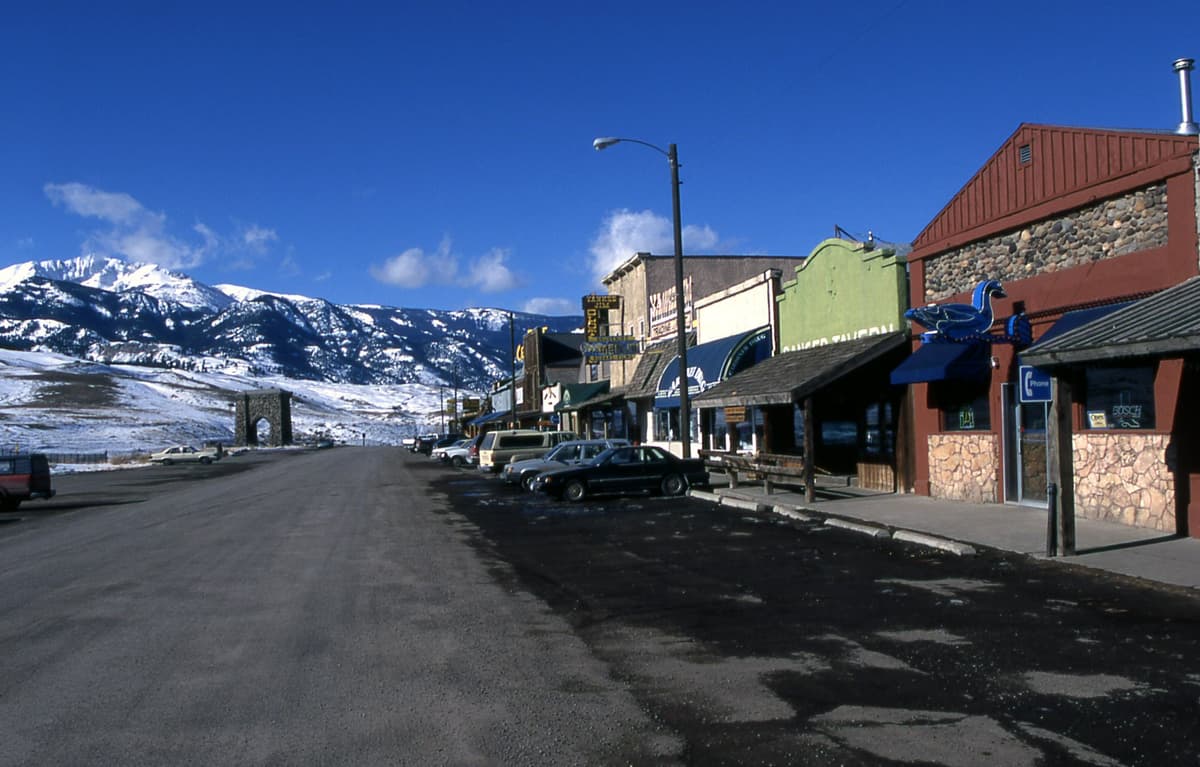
{"x":1025,"y":448}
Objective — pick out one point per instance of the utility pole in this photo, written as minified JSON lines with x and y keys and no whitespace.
{"x":512,"y":361}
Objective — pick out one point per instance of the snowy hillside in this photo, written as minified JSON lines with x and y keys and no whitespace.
{"x":54,"y":403}
{"x":104,"y":354}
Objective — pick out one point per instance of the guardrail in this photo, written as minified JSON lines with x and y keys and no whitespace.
{"x":77,"y":457}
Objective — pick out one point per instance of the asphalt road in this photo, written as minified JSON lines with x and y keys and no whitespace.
{"x":365,"y":606}
{"x":765,"y":641}
{"x":303,"y":608}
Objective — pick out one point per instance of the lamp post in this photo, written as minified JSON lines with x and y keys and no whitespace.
{"x":685,"y":410}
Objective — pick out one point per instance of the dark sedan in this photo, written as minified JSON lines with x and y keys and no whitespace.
{"x":642,"y":469}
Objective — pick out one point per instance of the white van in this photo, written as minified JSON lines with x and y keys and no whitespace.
{"x":499,"y":447}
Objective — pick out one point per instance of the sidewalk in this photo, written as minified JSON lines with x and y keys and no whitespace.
{"x":1138,"y":552}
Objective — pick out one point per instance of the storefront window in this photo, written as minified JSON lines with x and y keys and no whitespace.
{"x":965,"y":408}
{"x":1119,"y":397}
{"x":881,"y":431}
{"x":666,"y":424}
{"x":719,"y":429}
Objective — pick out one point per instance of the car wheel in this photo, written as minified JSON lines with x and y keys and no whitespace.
{"x":673,"y":484}
{"x":205,"y":460}
{"x":457,"y":462}
{"x":574,"y":491}
{"x":9,"y":504}
{"x":167,"y":462}
{"x":527,"y":481}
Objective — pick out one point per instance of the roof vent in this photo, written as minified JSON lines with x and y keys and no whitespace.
{"x":1025,"y":153}
{"x":1188,"y":126}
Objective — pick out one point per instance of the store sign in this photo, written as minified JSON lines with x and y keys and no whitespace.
{"x":609,"y":349}
{"x":1034,"y":384}
{"x":735,"y":414}
{"x":593,"y":305}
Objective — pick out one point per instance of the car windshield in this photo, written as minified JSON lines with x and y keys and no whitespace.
{"x":602,"y":457}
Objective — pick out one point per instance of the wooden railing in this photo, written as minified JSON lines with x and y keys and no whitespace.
{"x":770,"y":468}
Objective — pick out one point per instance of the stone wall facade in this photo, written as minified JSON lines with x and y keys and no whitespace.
{"x":1109,"y":229}
{"x":272,"y":405}
{"x":1124,"y":478}
{"x":963,"y":466}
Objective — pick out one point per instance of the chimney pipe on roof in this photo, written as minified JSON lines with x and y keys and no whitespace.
{"x":1188,"y":126}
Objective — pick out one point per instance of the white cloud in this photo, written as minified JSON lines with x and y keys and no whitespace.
{"x":114,"y":207}
{"x":626,"y":232}
{"x":415,"y":268}
{"x":490,"y":274}
{"x":134,"y":233}
{"x":257,"y":238}
{"x":554,"y":307}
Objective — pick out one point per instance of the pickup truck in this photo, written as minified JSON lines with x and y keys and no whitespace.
{"x":23,"y":477}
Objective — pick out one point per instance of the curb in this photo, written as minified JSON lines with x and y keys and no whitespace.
{"x":857,"y":527}
{"x":954,"y":547}
{"x":803,"y":514}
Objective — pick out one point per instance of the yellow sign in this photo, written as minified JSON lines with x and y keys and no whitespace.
{"x":593,"y":305}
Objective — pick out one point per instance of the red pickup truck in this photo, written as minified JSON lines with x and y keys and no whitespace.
{"x":23,"y":477}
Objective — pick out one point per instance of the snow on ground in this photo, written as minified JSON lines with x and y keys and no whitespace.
{"x":55,"y":403}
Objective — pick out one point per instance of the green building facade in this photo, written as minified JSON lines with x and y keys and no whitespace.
{"x":844,"y":290}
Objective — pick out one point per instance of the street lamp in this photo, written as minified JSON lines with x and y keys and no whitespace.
{"x":685,"y":410}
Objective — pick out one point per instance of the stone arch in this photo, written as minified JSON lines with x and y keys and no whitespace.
{"x":272,"y":405}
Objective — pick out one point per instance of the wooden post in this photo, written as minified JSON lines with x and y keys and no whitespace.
{"x":1061,"y":461}
{"x":809,"y":439}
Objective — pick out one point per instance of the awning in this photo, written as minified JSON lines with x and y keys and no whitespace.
{"x":711,"y":363}
{"x":1078,"y":318}
{"x":574,"y":395}
{"x":489,"y":418}
{"x":792,"y":376}
{"x":945,"y":361}
{"x":608,"y":399}
{"x":1166,"y":323}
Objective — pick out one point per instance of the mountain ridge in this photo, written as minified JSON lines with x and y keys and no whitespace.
{"x":116,"y":312}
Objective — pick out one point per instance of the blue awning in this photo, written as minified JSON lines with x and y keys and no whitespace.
{"x":489,"y":418}
{"x":943,"y":362}
{"x":711,"y":363}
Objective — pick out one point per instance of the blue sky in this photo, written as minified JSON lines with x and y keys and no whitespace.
{"x":422,"y":156}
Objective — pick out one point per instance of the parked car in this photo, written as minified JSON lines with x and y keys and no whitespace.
{"x":422,"y":438}
{"x":463,"y":455}
{"x":642,"y":469}
{"x":185,"y":454}
{"x":428,"y":442}
{"x":438,"y":453}
{"x":565,"y":454}
{"x":500,"y":447}
{"x":23,"y":477}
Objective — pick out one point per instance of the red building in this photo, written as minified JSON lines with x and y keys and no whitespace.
{"x":1074,"y":223}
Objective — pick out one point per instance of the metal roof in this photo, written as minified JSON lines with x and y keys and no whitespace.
{"x":788,"y":377}
{"x":1165,"y":323}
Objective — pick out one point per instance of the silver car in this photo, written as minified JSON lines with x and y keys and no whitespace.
{"x":564,"y":454}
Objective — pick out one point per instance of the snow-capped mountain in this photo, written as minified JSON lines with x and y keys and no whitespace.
{"x":117,"y":276}
{"x":111,"y":311}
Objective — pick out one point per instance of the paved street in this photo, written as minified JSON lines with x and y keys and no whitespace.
{"x":303,"y":609}
{"x":767,"y":641}
{"x":366,"y":606}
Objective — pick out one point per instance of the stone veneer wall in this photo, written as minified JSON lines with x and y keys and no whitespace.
{"x":1124,"y":478}
{"x":1112,"y":228}
{"x":963,"y":467}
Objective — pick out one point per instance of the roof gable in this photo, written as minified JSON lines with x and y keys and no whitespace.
{"x":1041,"y":164}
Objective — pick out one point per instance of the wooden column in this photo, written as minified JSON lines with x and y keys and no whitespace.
{"x":1061,"y":461}
{"x":809,"y":440}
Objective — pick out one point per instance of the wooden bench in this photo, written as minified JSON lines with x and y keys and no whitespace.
{"x":769,"y":468}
